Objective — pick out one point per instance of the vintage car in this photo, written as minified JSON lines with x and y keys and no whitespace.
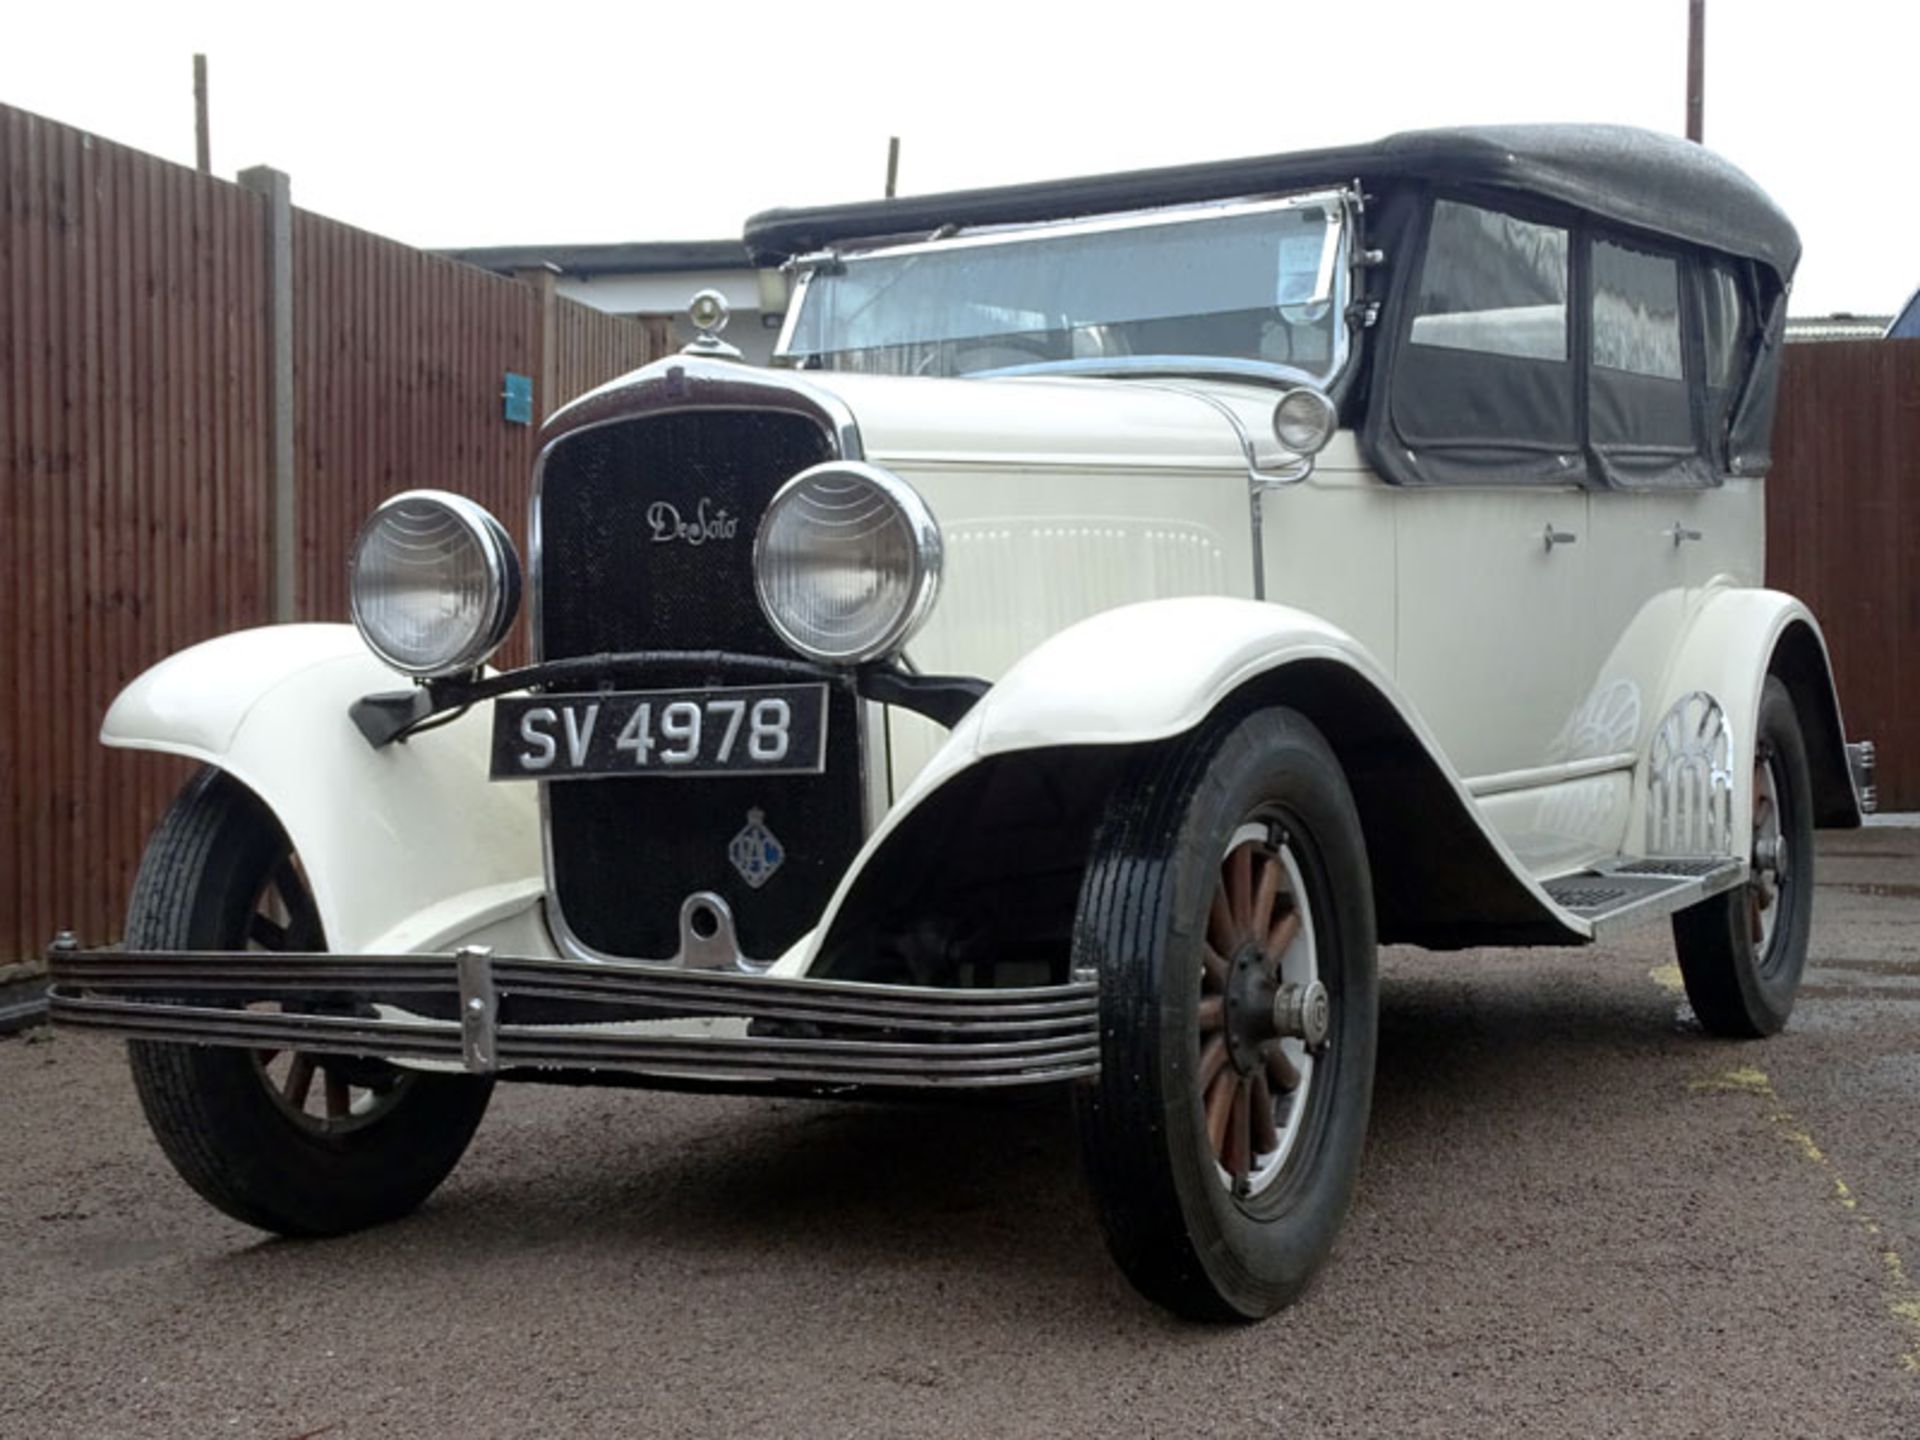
{"x":1126,"y":603}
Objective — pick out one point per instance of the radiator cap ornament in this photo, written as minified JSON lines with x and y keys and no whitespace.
{"x":755,"y":852}
{"x":708,"y":313}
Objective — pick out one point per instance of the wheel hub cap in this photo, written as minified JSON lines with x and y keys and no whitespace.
{"x":1263,"y":1014}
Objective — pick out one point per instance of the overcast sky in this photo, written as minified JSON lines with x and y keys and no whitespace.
{"x":475,"y":124}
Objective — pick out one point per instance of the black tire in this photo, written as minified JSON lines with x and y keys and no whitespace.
{"x":223,"y":1123}
{"x":1737,"y":987}
{"x":1187,"y":1234}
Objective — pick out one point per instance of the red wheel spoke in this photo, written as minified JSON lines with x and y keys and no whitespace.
{"x":1213,"y":1013}
{"x":1281,"y":1071}
{"x":1220,"y":931}
{"x":1215,"y":968}
{"x":1282,"y":936}
{"x":1266,"y":1135}
{"x":299,"y":1081}
{"x":339,"y":1098}
{"x":1237,"y":1159}
{"x":1264,"y":895}
{"x":1219,"y":1107}
{"x":267,"y":933}
{"x":303,"y":919}
{"x":1240,"y":888}
{"x":1212,"y":1056}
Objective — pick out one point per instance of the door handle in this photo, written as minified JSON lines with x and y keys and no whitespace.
{"x":1681,"y":534}
{"x":1554,"y":537}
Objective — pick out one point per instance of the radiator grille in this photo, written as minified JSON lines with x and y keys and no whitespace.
{"x":623,"y":853}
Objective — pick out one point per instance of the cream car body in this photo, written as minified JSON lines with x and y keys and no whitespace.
{"x":1119,"y":503}
{"x":1131,"y":601}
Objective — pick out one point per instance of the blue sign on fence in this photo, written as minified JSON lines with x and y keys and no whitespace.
{"x":519,"y":399}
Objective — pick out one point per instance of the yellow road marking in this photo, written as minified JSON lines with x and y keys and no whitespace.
{"x":1667,"y":977}
{"x":1901,"y":1294}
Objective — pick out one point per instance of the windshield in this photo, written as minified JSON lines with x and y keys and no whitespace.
{"x":1256,"y":282}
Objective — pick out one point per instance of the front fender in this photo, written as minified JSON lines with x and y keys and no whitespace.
{"x":1148,"y":672}
{"x":387,"y":836}
{"x":1141,"y":673}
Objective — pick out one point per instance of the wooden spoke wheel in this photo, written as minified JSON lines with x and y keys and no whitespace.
{"x":291,"y":1142}
{"x":1771,"y":863}
{"x":1228,"y":910}
{"x":1263,"y":1013}
{"x":327,"y":1094}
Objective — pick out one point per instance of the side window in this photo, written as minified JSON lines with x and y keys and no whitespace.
{"x":1492,"y":284}
{"x":1724,"y":327}
{"x":1638,"y":400}
{"x":1636,"y":312}
{"x":1483,"y":389}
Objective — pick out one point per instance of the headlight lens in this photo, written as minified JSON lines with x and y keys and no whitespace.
{"x":1305,"y":420}
{"x":433,"y":583}
{"x":847,"y":562}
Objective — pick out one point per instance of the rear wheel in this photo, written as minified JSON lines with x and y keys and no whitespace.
{"x":291,"y":1142}
{"x":1228,"y":911}
{"x":1742,"y":952}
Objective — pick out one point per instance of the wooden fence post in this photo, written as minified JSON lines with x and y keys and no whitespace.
{"x":546,"y":376}
{"x":284,"y":569}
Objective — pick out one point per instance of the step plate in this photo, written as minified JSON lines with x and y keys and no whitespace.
{"x":1630,"y":892}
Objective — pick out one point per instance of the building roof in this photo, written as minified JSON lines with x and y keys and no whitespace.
{"x":1839,"y":326}
{"x":1649,"y":181}
{"x":634,"y":257}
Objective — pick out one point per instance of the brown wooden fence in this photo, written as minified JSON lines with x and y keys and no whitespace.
{"x":135,"y":423}
{"x":1843,"y":533}
{"x":135,"y":438}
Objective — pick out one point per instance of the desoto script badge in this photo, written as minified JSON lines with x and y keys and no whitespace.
{"x":667,"y":524}
{"x":754,"y":851}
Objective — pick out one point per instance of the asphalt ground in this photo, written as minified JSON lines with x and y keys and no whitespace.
{"x":1578,"y":1216}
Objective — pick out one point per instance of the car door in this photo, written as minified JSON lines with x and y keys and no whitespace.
{"x":1492,"y":553}
{"x":1648,"y":517}
{"x":1489,"y":587}
{"x":1666,"y":522}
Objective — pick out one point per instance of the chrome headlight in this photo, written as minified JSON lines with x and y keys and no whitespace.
{"x":847,"y":562}
{"x":433,"y":583}
{"x":1305,"y":420}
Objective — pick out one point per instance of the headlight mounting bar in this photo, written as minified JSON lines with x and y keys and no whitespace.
{"x":393,"y":715}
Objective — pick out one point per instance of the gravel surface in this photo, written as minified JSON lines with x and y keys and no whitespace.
{"x":1578,"y":1216}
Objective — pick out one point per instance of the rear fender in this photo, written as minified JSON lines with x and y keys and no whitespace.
{"x":1009,"y":803}
{"x":1736,"y":639}
{"x":404,"y":846}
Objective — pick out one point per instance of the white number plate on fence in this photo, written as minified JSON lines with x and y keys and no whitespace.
{"x":743,"y":730}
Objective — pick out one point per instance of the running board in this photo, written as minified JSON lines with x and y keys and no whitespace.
{"x":1629,"y":892}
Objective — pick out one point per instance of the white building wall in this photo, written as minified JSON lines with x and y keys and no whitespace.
{"x":668,"y":294}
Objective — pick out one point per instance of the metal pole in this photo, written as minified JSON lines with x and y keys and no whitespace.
{"x":202,"y":142}
{"x":893,"y":163}
{"x":1696,"y":68}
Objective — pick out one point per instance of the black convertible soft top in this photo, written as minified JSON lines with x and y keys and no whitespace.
{"x":1639,"y":178}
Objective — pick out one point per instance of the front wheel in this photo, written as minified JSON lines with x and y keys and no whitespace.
{"x":291,"y":1142}
{"x":1228,"y":911}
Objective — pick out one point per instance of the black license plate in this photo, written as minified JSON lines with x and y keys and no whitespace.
{"x":739,"y":730}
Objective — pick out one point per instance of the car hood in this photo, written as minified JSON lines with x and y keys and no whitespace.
{"x":1097,"y":423}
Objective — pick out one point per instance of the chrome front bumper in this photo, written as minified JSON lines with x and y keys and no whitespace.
{"x":757,"y":1031}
